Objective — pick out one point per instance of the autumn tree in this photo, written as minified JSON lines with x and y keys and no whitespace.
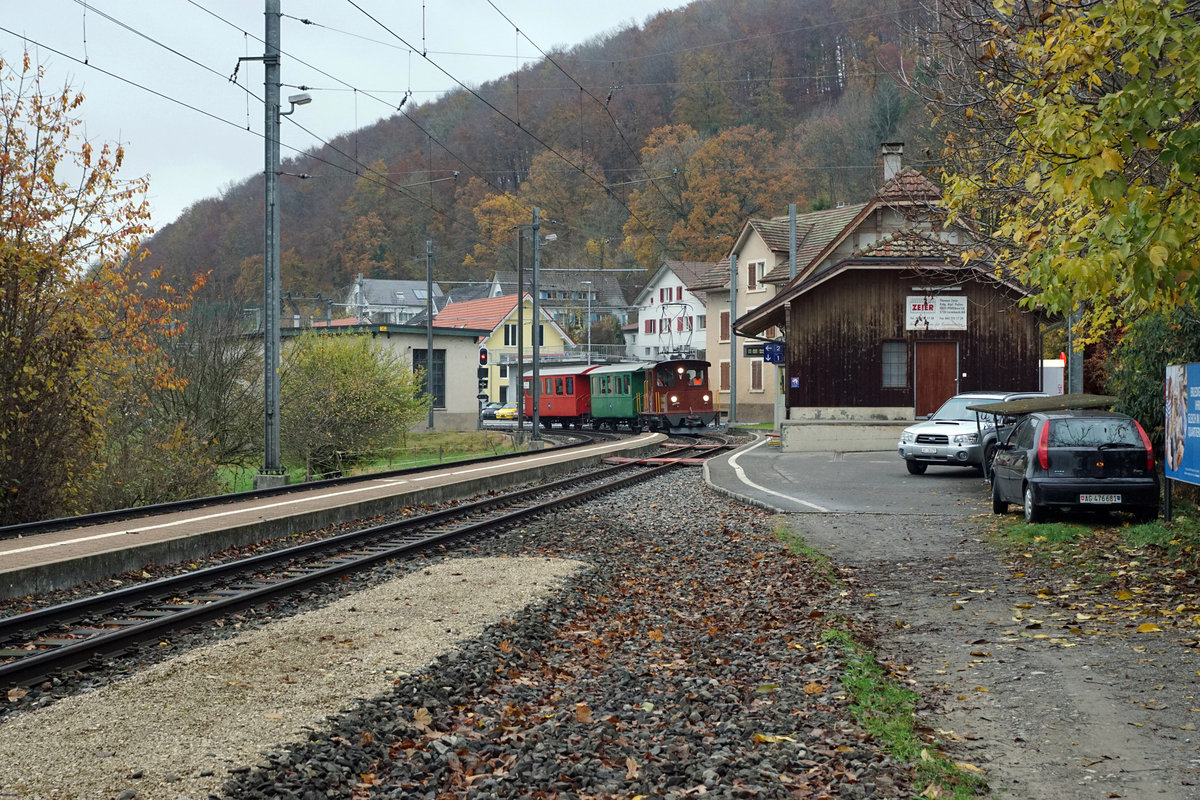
{"x":724,"y":181}
{"x":496,"y":216}
{"x":1073,"y":129}
{"x":78,"y":315}
{"x":343,"y":397}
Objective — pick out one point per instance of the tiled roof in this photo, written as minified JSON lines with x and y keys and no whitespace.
{"x":689,"y":271}
{"x":819,"y":229}
{"x":912,"y":243}
{"x":717,"y":277}
{"x":908,"y":185}
{"x":485,"y":314}
{"x":384,"y":292}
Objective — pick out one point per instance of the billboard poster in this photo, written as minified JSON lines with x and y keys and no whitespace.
{"x":1182,"y":423}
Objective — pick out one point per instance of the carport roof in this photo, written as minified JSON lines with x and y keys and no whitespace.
{"x":1032,"y":405}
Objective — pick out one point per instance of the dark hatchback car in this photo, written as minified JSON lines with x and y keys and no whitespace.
{"x":1076,"y":459}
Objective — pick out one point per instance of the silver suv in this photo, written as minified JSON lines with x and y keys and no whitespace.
{"x":955,"y":437}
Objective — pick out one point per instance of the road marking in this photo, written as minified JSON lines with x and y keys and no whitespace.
{"x":741,"y":473}
{"x":374,"y":485}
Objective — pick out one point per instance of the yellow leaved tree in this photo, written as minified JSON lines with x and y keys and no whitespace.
{"x":80,"y":319}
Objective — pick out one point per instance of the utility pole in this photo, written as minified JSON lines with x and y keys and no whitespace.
{"x":536,"y":326}
{"x":271,"y":474}
{"x":429,"y":326}
{"x":520,"y":328}
{"x":732,"y":337}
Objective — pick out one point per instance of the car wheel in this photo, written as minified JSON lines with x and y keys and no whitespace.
{"x":915,"y":467}
{"x":1033,"y":512}
{"x":999,"y":506}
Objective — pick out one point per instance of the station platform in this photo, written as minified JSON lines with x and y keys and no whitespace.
{"x":61,"y":559}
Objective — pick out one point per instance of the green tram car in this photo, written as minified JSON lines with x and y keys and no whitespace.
{"x":618,"y":395}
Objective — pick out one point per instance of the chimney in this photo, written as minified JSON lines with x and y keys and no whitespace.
{"x":892,"y":151}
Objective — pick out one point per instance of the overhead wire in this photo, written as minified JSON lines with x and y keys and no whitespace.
{"x":350,"y":87}
{"x":583,"y":171}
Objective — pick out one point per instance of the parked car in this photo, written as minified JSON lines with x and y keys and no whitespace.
{"x":489,"y":410}
{"x":508,"y":411}
{"x":1076,"y":459}
{"x":956,"y":437}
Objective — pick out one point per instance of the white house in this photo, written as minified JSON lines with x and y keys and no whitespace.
{"x":384,"y":302}
{"x":671,"y":318}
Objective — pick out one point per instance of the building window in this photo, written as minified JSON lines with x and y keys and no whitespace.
{"x":724,"y":376}
{"x":679,"y":293}
{"x":504,"y":371}
{"x":895,"y":365}
{"x":510,"y":334}
{"x":724,"y":326}
{"x":756,"y":375}
{"x":689,"y":324}
{"x":438,"y":374}
{"x":701,"y":321}
{"x":754,"y":273}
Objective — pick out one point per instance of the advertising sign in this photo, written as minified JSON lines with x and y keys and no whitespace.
{"x":1182,"y":423}
{"x":935,"y":313}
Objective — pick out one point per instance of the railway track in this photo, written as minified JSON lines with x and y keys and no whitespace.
{"x":39,"y":644}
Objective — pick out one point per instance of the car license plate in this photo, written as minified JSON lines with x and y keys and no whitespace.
{"x":1103,"y":499}
{"x":928,"y":449}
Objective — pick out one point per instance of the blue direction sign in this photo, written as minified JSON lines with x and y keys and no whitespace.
{"x":773,"y":352}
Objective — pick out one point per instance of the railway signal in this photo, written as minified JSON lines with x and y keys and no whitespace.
{"x":483,"y":357}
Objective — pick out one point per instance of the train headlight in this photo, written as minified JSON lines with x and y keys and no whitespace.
{"x":674,"y":398}
{"x":707,"y":398}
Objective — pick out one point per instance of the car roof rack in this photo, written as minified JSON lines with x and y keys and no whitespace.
{"x":1031,"y":405}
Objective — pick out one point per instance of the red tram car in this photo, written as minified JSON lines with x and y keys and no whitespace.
{"x":565,"y":397}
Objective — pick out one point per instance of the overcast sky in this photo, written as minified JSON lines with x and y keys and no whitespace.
{"x":186,"y":51}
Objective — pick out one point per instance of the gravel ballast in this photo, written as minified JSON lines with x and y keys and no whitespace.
{"x":176,"y":729}
{"x":686,"y":659}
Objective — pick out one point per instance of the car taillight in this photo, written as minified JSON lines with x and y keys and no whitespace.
{"x":1146,"y":444}
{"x":1044,"y":447}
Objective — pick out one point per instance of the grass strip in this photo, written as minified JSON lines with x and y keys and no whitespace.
{"x":887,"y":711}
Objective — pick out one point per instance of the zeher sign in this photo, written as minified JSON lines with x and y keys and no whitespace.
{"x":1182,"y":423}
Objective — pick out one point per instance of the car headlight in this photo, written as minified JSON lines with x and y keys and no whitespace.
{"x":966,"y":438}
{"x":907,"y":437}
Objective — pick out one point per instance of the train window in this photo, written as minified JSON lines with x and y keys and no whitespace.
{"x":666,"y":377}
{"x":570,"y":386}
{"x":624,"y":384}
{"x":558,"y":385}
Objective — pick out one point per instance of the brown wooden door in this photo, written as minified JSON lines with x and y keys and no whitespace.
{"x":936,"y":371}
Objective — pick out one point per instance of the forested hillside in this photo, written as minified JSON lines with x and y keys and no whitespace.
{"x":653,"y":142}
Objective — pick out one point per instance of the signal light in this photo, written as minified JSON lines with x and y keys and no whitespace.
{"x":483,"y":357}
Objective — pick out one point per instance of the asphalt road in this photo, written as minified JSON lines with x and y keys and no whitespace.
{"x":873,"y":482}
